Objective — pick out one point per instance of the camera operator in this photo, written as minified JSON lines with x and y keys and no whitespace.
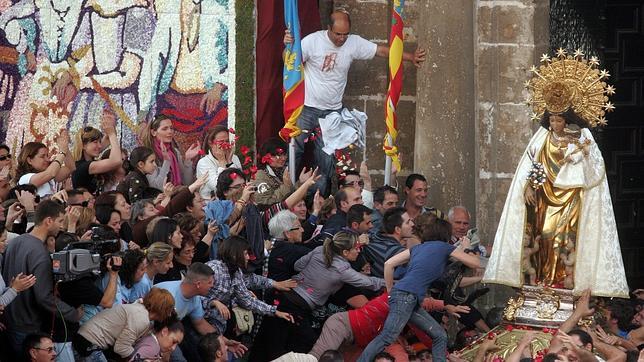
{"x":106,"y":284}
{"x":83,"y":292}
{"x":27,"y":254}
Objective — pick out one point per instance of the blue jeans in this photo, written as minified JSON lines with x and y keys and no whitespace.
{"x":310,"y":120}
{"x":404,"y":308}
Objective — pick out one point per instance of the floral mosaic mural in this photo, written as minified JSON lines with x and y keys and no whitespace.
{"x":63,"y":61}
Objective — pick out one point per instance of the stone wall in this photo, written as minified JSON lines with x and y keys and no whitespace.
{"x":510,"y":37}
{"x":368,"y":81}
{"x":445,"y":148}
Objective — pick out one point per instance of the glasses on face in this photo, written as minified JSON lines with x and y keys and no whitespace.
{"x":51,"y":349}
{"x":354,"y":183}
{"x":299,"y":227}
{"x":4,"y":157}
{"x":237,"y":187}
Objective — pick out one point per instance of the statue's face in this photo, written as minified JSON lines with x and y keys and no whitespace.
{"x":557,"y":123}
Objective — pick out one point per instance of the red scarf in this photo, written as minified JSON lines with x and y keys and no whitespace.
{"x":175,"y":169}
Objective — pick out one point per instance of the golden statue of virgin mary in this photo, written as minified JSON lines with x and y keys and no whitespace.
{"x":558,"y":227}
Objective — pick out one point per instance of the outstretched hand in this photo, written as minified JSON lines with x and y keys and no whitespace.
{"x":419,"y":56}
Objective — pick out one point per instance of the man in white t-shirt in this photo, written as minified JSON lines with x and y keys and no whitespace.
{"x":327,"y":56}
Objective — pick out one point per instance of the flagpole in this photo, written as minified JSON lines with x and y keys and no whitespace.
{"x":388,"y":165}
{"x":291,"y":160}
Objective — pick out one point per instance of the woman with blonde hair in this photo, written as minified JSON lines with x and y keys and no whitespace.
{"x":87,"y":151}
{"x":36,"y":167}
{"x":79,"y":219}
{"x":159,"y":256}
{"x":158,"y":135}
{"x":322,"y":272}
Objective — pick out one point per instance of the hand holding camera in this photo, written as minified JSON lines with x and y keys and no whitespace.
{"x":114,"y":264}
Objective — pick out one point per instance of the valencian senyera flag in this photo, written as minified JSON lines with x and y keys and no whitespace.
{"x":293,"y":75}
{"x":395,"y":82}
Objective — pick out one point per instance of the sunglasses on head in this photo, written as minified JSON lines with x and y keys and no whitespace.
{"x":82,"y":204}
{"x":2,"y":158}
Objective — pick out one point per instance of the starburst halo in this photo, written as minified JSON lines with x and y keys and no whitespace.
{"x":570,"y":81}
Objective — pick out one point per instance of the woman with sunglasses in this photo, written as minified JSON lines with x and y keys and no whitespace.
{"x":272,"y":179}
{"x":6,"y":166}
{"x":37,"y":168}
{"x":87,"y":152}
{"x":220,"y":156}
{"x":236,"y":211}
{"x":158,"y":135}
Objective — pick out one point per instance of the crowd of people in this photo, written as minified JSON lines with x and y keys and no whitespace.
{"x":192,"y":256}
{"x":201,"y":262}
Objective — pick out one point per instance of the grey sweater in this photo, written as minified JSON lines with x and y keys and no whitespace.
{"x":27,"y":254}
{"x":7,"y":295}
{"x":316,"y":282}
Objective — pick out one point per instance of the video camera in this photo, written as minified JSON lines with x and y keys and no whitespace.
{"x":83,"y":258}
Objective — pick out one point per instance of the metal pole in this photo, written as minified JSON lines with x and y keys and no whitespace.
{"x":291,"y":160}
{"x":388,"y":164}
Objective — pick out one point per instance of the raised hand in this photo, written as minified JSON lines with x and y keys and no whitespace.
{"x":198,"y":184}
{"x":286,"y":177}
{"x":305,"y":174}
{"x":192,"y":152}
{"x":108,"y":122}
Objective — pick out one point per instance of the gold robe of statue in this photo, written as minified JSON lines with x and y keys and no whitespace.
{"x":555,"y":217}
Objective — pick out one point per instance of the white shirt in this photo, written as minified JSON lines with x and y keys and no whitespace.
{"x":326,"y":67}
{"x":43,"y":190}
{"x":208,"y":164}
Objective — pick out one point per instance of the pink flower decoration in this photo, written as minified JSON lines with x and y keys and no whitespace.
{"x":244,"y":150}
{"x":233,"y":175}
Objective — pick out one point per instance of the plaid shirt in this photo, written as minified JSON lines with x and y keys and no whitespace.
{"x":227,"y":289}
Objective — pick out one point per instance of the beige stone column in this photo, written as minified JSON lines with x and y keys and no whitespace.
{"x":510,"y":37}
{"x":445,"y":123}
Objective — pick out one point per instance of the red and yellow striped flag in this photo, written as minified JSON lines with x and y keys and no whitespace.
{"x":395,"y":82}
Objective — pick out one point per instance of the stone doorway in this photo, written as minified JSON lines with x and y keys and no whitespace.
{"x":614,"y":31}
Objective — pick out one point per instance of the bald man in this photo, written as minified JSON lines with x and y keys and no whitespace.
{"x":327,"y":56}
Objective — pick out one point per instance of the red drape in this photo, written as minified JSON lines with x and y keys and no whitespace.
{"x":268,"y":67}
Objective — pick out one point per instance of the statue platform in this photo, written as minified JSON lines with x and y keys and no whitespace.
{"x":532,"y":308}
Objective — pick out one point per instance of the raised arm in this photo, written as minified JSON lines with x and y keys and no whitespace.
{"x":115,"y":160}
{"x":417,"y":57}
{"x":300,"y":192}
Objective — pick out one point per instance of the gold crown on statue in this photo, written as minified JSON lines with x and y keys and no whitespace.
{"x":567,"y":82}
